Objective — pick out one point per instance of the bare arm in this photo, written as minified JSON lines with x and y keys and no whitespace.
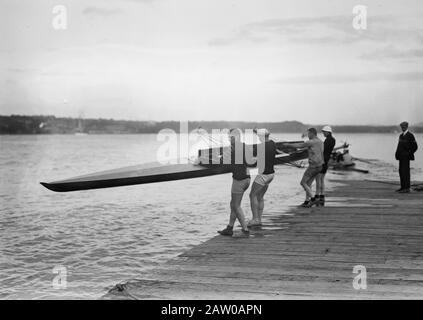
{"x":299,"y":145}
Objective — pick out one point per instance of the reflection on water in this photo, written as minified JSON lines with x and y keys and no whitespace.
{"x":106,"y":236}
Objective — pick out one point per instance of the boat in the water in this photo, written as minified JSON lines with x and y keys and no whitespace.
{"x":341,"y":159}
{"x":154,"y":172}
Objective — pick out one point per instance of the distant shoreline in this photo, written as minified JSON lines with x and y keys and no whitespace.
{"x":154,"y":133}
{"x":18,"y":124}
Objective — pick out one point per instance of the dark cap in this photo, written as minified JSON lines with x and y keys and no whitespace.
{"x":312,"y":130}
{"x":404,"y":123}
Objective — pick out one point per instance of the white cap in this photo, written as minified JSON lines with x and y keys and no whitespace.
{"x":327,"y":129}
{"x":263,"y":132}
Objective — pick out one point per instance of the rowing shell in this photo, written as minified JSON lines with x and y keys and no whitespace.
{"x":150,"y":173}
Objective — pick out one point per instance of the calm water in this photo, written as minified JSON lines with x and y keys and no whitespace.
{"x":103,"y":237}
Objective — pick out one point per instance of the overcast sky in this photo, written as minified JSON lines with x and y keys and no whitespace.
{"x":263,"y":60}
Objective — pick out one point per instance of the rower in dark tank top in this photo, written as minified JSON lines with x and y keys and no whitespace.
{"x":266,"y":152}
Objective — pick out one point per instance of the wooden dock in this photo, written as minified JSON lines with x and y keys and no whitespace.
{"x":305,"y":253}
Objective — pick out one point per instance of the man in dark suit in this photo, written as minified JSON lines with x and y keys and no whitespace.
{"x":407,"y":146}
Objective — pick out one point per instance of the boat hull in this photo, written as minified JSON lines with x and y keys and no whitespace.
{"x":150,"y":173}
{"x":141,"y":176}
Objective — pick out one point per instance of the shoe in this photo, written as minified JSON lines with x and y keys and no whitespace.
{"x":317,"y":200}
{"x":245,"y":233}
{"x":404,"y":191}
{"x":313,"y":202}
{"x":322,"y":201}
{"x":228,"y":231}
{"x":254,"y":223}
{"x":242,"y":234}
{"x":399,"y":190}
{"x":305,"y":204}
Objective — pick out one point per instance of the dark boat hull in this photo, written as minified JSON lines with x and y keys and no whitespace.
{"x":145,"y":175}
{"x":150,"y":173}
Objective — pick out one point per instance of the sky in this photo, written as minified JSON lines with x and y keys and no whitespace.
{"x":244,"y":60}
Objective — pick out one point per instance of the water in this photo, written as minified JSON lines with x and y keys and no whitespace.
{"x":103,"y":237}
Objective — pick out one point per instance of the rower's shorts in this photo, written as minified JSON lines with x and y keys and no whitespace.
{"x":240,"y":186}
{"x":264,"y":179}
{"x":324,"y":169}
{"x":310,"y":174}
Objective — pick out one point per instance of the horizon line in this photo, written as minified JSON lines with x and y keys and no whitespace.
{"x":419,"y":124}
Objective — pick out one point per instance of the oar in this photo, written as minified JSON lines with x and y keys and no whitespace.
{"x":359,"y":170}
{"x":368,"y":161}
{"x":295,"y":165}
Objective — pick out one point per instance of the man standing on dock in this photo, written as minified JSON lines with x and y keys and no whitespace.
{"x":407,"y":146}
{"x":240,"y":183}
{"x":315,"y":160}
{"x":329,"y":144}
{"x":266,"y":173}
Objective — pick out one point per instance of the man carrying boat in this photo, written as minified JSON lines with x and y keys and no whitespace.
{"x":316,"y":161}
{"x":240,"y":183}
{"x":328,"y":146}
{"x":266,"y":153}
{"x":406,"y":148}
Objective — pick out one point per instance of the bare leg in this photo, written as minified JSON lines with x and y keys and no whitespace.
{"x":238,"y":212}
{"x":261,"y":201}
{"x":307,"y":188}
{"x":310,"y":184}
{"x":321,"y":179}
{"x":322,"y":185}
{"x":255,"y":190}
{"x":233,"y":215}
{"x":319,"y":184}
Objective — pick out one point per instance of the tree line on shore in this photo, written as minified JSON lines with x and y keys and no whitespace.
{"x":21,"y":124}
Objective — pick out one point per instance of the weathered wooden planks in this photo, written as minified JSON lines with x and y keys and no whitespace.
{"x":305,"y":254}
